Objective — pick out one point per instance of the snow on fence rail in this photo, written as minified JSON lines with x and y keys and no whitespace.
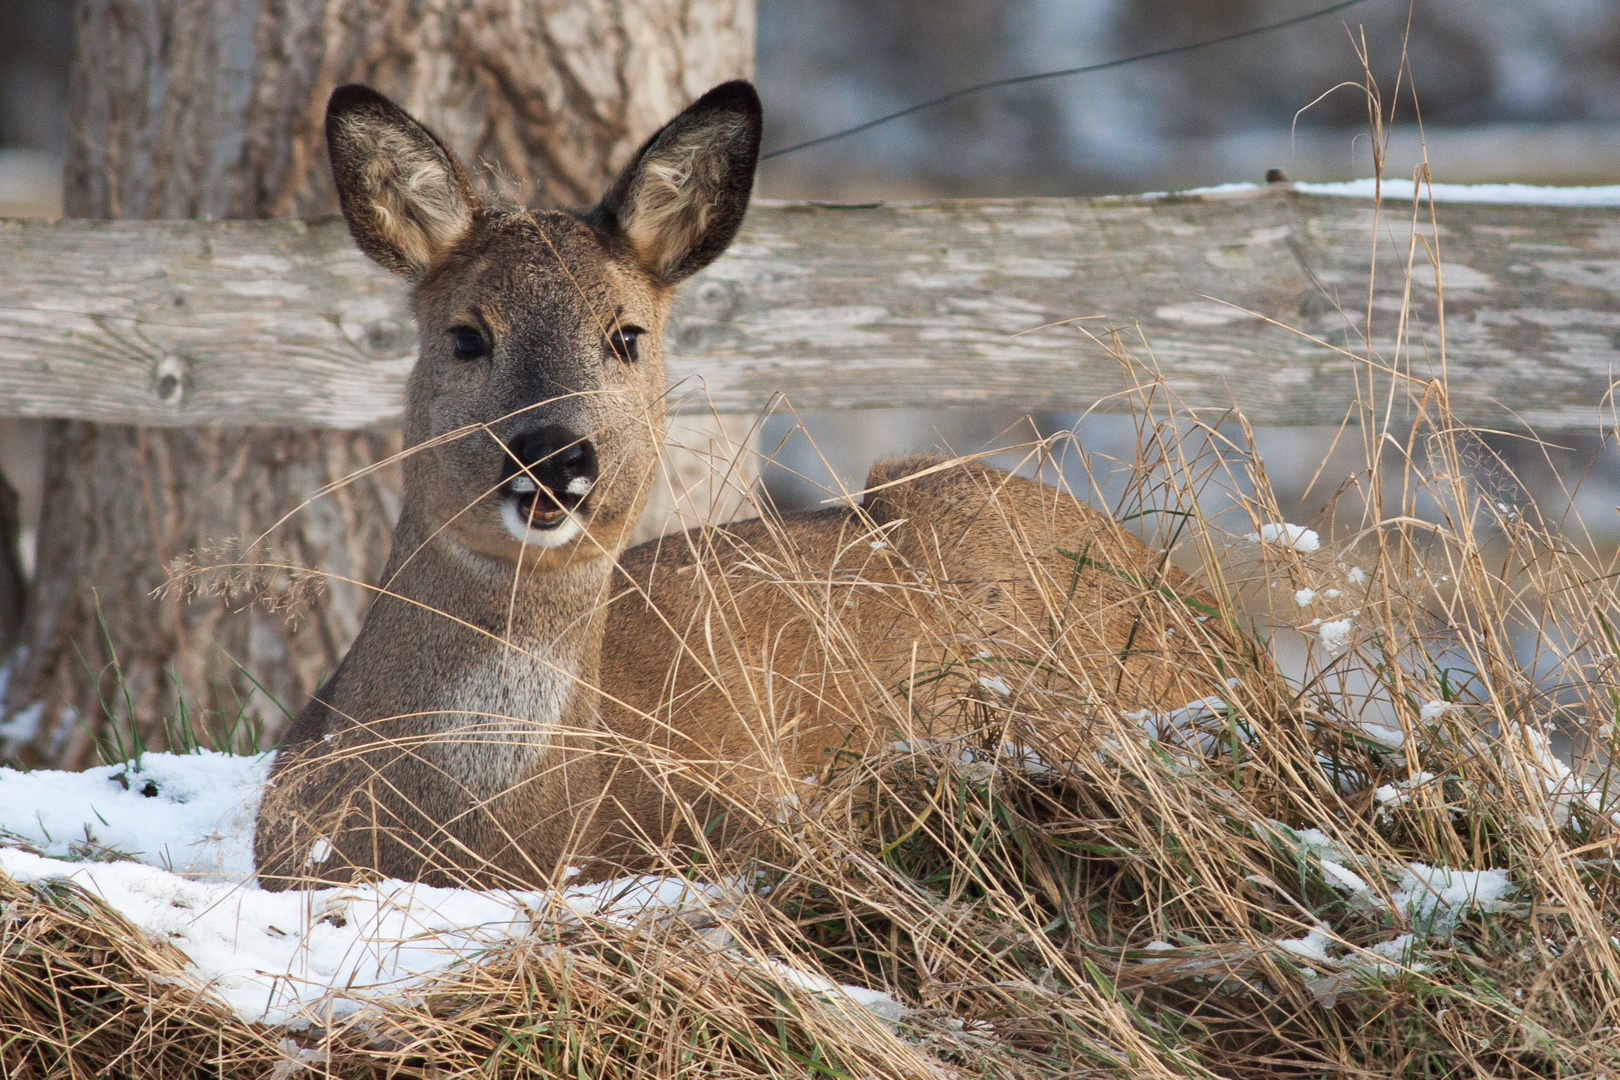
{"x":951,"y":303}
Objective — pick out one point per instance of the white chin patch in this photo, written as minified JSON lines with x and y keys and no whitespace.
{"x":562,"y":533}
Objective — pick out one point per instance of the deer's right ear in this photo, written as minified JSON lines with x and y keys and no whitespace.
{"x":405,"y":196}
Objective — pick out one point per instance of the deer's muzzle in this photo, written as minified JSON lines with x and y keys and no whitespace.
{"x":548,"y":474}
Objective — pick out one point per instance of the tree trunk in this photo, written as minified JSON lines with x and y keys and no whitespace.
{"x":13,"y":586}
{"x":214,"y":108}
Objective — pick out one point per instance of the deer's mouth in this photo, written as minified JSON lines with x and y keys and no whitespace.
{"x":533,"y":507}
{"x":548,"y":476}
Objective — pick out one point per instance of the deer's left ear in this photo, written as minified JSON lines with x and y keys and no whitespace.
{"x":680,"y":202}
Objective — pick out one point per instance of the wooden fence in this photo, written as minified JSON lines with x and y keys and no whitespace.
{"x":1236,"y":297}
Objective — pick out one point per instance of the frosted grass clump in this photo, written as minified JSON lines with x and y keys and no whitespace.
{"x":1335,"y":635}
{"x":1296,"y":537}
{"x":1391,"y":795}
{"x":1566,"y":791}
{"x":1196,"y":726}
{"x":1434,"y":899}
{"x":1313,"y":947}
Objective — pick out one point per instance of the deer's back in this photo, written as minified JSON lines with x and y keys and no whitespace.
{"x":769,"y":647}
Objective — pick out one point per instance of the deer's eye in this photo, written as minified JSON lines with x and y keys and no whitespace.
{"x":467,"y":343}
{"x":623,"y":342}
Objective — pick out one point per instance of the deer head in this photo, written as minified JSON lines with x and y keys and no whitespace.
{"x":536,"y":402}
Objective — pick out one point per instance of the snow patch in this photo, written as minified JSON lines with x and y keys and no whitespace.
{"x":295,"y":958}
{"x":1432,"y":899}
{"x":1220,"y":189}
{"x":876,"y":1002}
{"x":1331,"y":858}
{"x":1565,"y":791}
{"x":1516,"y":194}
{"x":1392,"y":737}
{"x":190,"y":813}
{"x":977,"y":765}
{"x":1392,"y":795}
{"x":1396,"y":950}
{"x":1343,"y":878}
{"x":1313,"y":947}
{"x":1025,"y":760}
{"x":995,"y":684}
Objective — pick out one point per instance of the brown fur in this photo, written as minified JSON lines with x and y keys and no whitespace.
{"x":726,"y":667}
{"x":510,"y":708}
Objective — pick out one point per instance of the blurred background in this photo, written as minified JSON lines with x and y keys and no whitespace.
{"x":1509,"y":90}
{"x":1525,"y":90}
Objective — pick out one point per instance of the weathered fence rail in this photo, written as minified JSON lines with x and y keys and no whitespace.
{"x":284,"y":322}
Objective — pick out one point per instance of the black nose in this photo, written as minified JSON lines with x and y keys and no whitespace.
{"x":549,"y":469}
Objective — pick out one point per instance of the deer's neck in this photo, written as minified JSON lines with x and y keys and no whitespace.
{"x":503,"y":658}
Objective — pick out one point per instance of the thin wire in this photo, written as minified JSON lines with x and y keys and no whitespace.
{"x":1018,"y":80}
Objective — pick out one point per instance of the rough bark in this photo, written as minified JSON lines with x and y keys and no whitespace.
{"x":13,"y":586}
{"x":213,"y":109}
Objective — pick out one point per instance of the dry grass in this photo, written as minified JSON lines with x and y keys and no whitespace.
{"x":84,"y":993}
{"x":1058,"y":894}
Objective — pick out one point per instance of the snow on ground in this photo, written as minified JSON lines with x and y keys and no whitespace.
{"x":1434,"y":710}
{"x":1392,"y":795}
{"x":1425,"y":902}
{"x":1565,"y":790}
{"x":181,"y":829}
{"x":190,"y":813}
{"x":1392,"y":738}
{"x":875,"y":1002}
{"x":1313,"y":946}
{"x":1198,"y":726}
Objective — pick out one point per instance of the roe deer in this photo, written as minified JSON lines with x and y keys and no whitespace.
{"x":524,"y":692}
